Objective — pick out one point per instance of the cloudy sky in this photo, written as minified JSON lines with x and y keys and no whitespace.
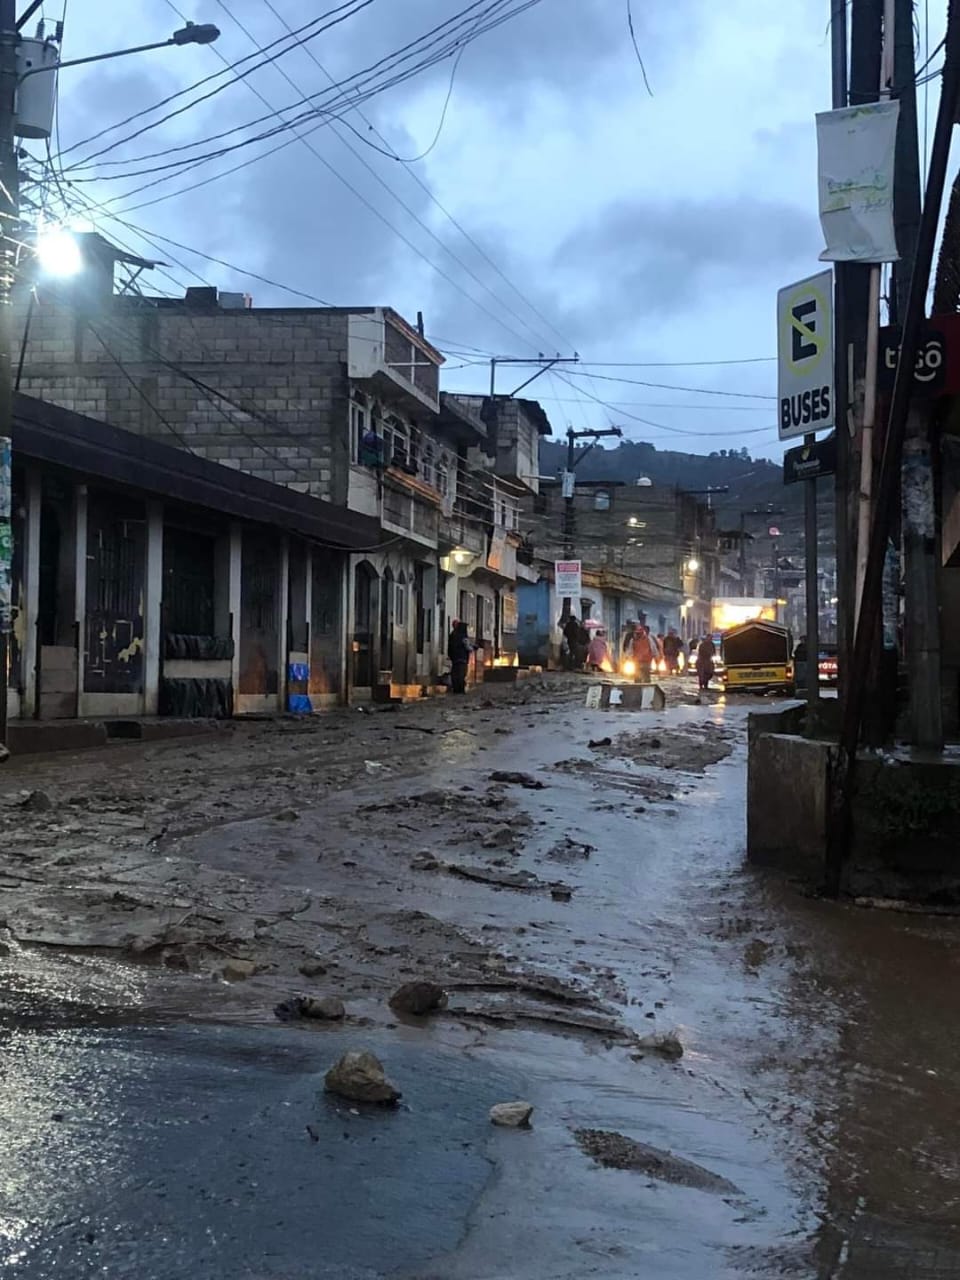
{"x":562,"y":207}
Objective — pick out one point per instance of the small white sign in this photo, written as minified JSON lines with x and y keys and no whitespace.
{"x":805,"y":356}
{"x":568,"y":578}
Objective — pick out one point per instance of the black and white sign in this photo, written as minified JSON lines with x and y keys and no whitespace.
{"x":810,"y":461}
{"x":805,"y":356}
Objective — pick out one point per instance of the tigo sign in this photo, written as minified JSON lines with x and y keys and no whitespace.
{"x":805,"y":356}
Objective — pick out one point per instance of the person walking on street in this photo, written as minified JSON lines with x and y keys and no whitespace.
{"x":706,"y":654}
{"x":626,"y":641}
{"x":459,"y":649}
{"x":671,"y":651}
{"x":643,"y":654}
{"x":598,"y":654}
{"x":571,"y":633}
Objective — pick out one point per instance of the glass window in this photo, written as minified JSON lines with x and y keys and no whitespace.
{"x":601,"y":500}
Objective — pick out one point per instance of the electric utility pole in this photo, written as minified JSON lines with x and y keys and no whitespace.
{"x":921,"y":617}
{"x":913,"y":320}
{"x":9,"y":235}
{"x":568,"y":487}
{"x":545,"y":363}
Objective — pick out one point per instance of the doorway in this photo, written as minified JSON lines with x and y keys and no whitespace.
{"x":364,"y":597}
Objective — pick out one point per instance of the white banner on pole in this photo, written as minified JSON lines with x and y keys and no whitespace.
{"x":855,"y":149}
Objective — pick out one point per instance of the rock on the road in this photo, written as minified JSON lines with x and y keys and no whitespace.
{"x":418,"y":998}
{"x":666,"y":1043}
{"x":359,"y":1076}
{"x":511,"y":1115}
{"x":239,"y":970}
{"x":320,"y":1008}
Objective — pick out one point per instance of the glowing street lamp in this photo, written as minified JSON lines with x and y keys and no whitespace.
{"x":58,"y":253}
{"x":693,"y":564}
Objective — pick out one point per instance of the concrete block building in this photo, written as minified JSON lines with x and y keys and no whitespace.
{"x":338,"y":405}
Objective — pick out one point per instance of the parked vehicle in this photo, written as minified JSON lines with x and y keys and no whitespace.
{"x":827,"y":665}
{"x":758,"y":656}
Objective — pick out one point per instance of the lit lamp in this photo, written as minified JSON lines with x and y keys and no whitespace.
{"x":463,"y":557}
{"x":693,"y":564}
{"x":58,"y":253}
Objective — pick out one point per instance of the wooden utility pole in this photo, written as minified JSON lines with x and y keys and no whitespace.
{"x":921,"y":560}
{"x":839,"y":827}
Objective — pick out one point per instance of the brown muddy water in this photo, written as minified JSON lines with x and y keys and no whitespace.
{"x":156,"y":1116}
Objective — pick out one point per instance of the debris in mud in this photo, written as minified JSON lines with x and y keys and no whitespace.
{"x":523,"y":881}
{"x":614,"y":1150}
{"x":569,"y":850}
{"x":424,"y":862}
{"x":322,"y":1009}
{"x":561,"y":895}
{"x":373,"y":766}
{"x":286,"y":815}
{"x":360,"y":1077}
{"x":516,"y":779}
{"x":31,"y":802}
{"x":502,"y":837}
{"x":239,"y":970}
{"x":313,"y":969}
{"x":666,"y":1043}
{"x":511,"y":1115}
{"x":594,"y":743}
{"x":418,"y":998}
{"x":756,"y":952}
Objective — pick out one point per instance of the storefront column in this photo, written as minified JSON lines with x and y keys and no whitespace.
{"x":31,"y":591}
{"x":152,"y":608}
{"x":234,"y":596}
{"x":80,"y":578}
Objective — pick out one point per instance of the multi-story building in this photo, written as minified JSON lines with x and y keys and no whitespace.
{"x":339,"y":404}
{"x":649,"y":552}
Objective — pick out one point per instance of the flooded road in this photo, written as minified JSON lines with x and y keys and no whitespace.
{"x":576,"y":882}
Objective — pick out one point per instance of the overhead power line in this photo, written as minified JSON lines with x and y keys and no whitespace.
{"x":388,"y":150}
{"x":669,"y":386}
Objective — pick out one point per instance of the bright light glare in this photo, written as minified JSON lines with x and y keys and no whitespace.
{"x":693,"y":564}
{"x":58,"y":253}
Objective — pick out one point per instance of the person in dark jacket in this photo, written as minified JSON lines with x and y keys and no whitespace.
{"x":459,"y":649}
{"x":706,"y":653}
{"x":576,"y":650}
{"x":671,"y":646}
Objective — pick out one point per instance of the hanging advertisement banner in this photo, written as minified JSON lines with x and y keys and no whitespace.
{"x":855,"y":153}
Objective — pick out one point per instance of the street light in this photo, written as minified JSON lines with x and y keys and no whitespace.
{"x":58,"y":253}
{"x":693,"y":564}
{"x":192,"y":33}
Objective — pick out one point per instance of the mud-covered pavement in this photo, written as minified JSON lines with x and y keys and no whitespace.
{"x":575,"y":881}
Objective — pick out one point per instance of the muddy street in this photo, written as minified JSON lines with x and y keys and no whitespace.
{"x":728,"y":1078}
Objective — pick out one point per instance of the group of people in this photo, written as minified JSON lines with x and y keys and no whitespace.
{"x":639,"y":645}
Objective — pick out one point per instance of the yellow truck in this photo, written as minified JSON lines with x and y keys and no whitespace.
{"x":757,"y":656}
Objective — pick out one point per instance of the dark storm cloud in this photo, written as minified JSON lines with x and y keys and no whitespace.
{"x":665,"y":255}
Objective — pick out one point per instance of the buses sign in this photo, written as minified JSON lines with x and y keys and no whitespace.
{"x":805,"y":356}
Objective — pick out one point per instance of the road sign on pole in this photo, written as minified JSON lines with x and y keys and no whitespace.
{"x":805,"y":356}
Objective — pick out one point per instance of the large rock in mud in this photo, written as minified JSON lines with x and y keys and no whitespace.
{"x":418,"y":998}
{"x":359,"y":1076}
{"x":511,"y":1115}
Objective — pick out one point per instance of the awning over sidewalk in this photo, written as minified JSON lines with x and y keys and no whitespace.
{"x":47,"y":433}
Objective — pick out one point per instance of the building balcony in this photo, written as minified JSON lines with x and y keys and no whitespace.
{"x":391,"y":359}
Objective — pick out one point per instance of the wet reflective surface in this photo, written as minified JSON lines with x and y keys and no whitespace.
{"x":819,"y":1076}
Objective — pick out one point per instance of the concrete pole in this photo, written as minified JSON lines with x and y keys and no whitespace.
{"x":31,"y":596}
{"x":80,"y":579}
{"x":152,"y":610}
